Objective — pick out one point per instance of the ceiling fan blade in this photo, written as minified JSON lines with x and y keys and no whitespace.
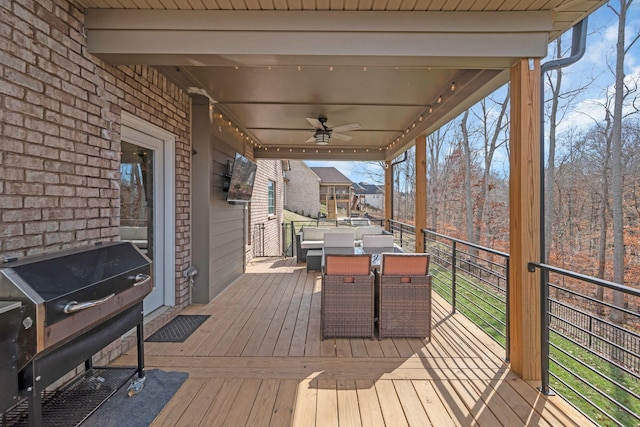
{"x":315,"y":123}
{"x":341,"y":137}
{"x":346,"y":128}
{"x":312,"y":139}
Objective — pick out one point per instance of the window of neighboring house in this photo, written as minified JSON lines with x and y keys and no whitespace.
{"x":272,"y":198}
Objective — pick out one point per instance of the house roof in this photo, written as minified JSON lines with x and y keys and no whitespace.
{"x":364,"y":188}
{"x":331,"y":175}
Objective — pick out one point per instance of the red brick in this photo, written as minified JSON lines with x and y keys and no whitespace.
{"x":59,"y":190}
{"x":22,"y":161}
{"x":41,"y":202}
{"x":40,"y":227}
{"x":57,"y":214}
{"x":52,"y":238}
{"x":11,"y":202}
{"x":14,"y":243}
{"x":21,"y":215}
{"x":11,"y":230}
{"x":42,"y":176}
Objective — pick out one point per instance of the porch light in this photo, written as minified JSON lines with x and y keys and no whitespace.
{"x":322,"y":137}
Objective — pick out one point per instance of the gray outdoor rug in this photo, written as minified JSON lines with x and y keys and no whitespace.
{"x":140,"y":409}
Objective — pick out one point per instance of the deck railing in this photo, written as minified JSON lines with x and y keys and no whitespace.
{"x":590,"y":346}
{"x":404,"y":235}
{"x":472,"y":278}
{"x":475,"y":280}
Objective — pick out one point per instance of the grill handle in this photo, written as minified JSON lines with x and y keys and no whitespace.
{"x":142,"y":279}
{"x":75,"y":306}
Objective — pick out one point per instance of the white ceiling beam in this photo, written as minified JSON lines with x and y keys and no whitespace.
{"x":156,"y":42}
{"x":314,"y":21}
{"x":264,"y":33}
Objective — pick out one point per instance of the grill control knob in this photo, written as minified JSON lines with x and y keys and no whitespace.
{"x":27,"y":322}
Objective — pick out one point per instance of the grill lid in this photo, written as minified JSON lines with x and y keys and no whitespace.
{"x":72,"y":271}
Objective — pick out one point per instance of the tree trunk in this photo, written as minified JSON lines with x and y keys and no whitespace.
{"x":616,"y":164}
{"x":468,"y":200}
{"x":602,"y":216}
{"x":551,"y":158}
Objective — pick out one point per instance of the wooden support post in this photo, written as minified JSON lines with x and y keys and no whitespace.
{"x":524,"y":215}
{"x":388,"y":194}
{"x":421,"y":191}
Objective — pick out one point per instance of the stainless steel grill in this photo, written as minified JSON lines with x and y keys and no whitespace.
{"x":71,"y":304}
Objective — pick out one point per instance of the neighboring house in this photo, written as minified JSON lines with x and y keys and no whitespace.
{"x":302,"y":193}
{"x":265,"y":210}
{"x":370,"y":195}
{"x":335,"y":186}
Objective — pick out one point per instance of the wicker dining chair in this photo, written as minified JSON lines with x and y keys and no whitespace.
{"x":347,"y":308}
{"x":403,"y":290}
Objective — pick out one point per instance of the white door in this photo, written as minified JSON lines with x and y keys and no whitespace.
{"x":142,"y":204}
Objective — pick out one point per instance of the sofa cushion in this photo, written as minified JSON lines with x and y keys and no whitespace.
{"x":371,"y":229}
{"x":342,"y":230}
{"x":312,"y":244}
{"x":313,"y":233}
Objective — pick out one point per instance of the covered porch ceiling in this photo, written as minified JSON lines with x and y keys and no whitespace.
{"x":399,"y":69}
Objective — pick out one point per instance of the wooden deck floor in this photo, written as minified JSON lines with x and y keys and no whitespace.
{"x":258,"y":360}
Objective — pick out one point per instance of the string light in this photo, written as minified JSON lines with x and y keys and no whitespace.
{"x":453,"y":86}
{"x":440,"y":99}
{"x":430,"y":109}
{"x":420,"y":119}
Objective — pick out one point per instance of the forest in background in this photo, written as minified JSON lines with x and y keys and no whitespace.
{"x":592,"y":161}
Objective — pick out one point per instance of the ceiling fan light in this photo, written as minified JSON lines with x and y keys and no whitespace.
{"x":322,"y":137}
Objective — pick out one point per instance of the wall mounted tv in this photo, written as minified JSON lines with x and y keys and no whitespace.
{"x":243,"y":175}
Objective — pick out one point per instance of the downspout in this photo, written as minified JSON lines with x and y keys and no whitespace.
{"x":578,"y":47}
{"x":392,"y":188}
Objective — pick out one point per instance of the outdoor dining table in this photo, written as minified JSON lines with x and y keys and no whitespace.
{"x":376,"y":253}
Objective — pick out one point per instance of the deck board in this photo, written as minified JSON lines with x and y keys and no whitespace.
{"x":259,"y":361}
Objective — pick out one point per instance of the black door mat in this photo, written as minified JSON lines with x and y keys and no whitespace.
{"x":178,"y":329}
{"x":73,"y":403}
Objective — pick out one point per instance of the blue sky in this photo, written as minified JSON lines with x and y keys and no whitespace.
{"x":591,"y":69}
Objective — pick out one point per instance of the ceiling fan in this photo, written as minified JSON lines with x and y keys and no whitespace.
{"x":323,"y":133}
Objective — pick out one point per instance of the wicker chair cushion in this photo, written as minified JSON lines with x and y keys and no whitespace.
{"x":405,"y":264}
{"x":348,"y":265}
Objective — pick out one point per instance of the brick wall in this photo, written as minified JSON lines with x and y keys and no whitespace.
{"x":303,"y":189}
{"x":271,"y":244}
{"x":60,"y":118}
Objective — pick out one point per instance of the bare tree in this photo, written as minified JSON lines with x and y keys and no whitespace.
{"x":492,"y":132}
{"x":468,"y":200}
{"x":435,"y":146}
{"x":621,"y":92}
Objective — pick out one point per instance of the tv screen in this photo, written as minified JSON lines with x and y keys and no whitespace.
{"x":243,"y":175}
